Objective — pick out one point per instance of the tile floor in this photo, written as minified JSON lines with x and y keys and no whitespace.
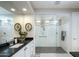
{"x":53,"y":55}
{"x":51,"y":52}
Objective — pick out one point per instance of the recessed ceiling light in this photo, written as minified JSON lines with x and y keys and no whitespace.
{"x":38,"y":21}
{"x":12,"y":9}
{"x":24,"y":9}
{"x":47,"y":21}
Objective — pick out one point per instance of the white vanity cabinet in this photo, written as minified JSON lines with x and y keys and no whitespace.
{"x":29,"y":48}
{"x":20,"y":53}
{"x":26,"y":51}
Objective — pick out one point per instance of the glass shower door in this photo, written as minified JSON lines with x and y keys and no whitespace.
{"x":45,"y":32}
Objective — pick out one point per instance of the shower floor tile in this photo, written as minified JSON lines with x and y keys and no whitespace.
{"x":50,"y":50}
{"x":53,"y":55}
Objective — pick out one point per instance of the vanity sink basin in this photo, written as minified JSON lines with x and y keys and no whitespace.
{"x":16,"y":45}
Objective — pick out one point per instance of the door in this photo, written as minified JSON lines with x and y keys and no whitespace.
{"x":75,"y":31}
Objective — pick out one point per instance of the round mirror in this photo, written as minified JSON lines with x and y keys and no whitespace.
{"x":28,"y":27}
{"x":17,"y":27}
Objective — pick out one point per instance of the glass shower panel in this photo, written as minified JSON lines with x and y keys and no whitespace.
{"x":45,"y":31}
{"x":41,"y":36}
{"x":51,"y":34}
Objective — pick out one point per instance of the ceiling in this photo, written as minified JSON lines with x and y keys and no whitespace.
{"x":18,"y":5}
{"x":32,"y":6}
{"x":54,"y":4}
{"x":4,"y":11}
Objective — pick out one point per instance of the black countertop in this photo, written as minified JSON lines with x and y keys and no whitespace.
{"x":8,"y":52}
{"x":75,"y":54}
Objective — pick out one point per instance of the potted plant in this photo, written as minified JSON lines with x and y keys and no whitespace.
{"x":23,"y":35}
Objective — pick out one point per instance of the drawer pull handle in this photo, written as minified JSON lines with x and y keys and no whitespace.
{"x":25,"y":48}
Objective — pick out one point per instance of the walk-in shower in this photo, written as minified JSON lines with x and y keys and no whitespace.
{"x":47,"y":34}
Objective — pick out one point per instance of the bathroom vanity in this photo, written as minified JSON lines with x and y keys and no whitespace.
{"x":25,"y":49}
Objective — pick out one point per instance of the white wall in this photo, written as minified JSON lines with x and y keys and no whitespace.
{"x":71,"y":26}
{"x":23,"y":19}
{"x":66,"y":26}
{"x":6,"y":28}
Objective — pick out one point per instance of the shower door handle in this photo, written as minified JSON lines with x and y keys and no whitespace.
{"x":56,"y":33}
{"x":42,"y":36}
{"x":74,"y":38}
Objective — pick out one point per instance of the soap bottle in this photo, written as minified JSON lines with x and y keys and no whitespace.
{"x":15,"y":41}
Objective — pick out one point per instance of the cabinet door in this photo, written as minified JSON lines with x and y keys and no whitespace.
{"x":30,"y":49}
{"x":19,"y":53}
{"x":27,"y":52}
